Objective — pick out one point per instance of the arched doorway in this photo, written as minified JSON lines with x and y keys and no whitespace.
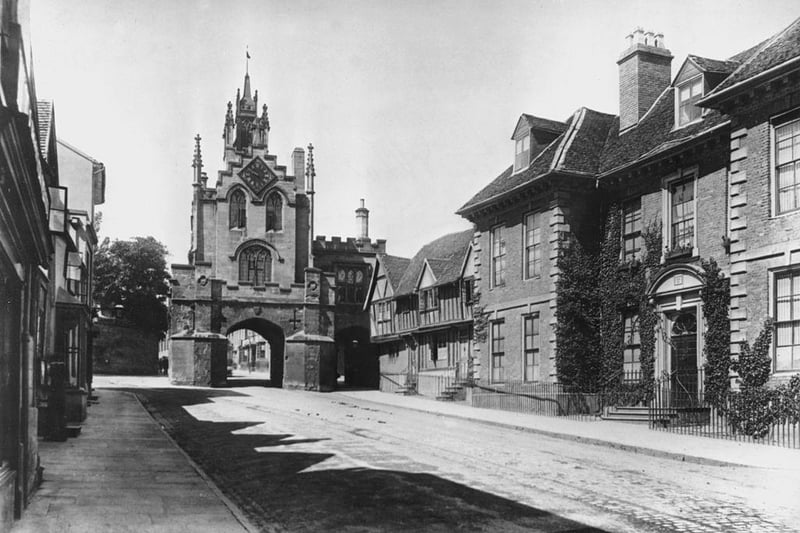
{"x":357,"y":360}
{"x":273,"y":334}
{"x":675,"y":293}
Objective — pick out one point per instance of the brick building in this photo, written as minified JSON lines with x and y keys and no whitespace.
{"x":707,"y":159}
{"x":253,"y":265}
{"x":421,"y":317}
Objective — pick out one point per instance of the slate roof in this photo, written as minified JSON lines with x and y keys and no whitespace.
{"x":44,"y":111}
{"x":445,"y":255}
{"x":394,"y":267}
{"x":783,"y":46}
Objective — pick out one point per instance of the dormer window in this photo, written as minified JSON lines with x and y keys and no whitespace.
{"x":687,"y":95}
{"x":522,"y":152}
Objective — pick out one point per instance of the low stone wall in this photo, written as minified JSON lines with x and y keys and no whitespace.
{"x":124,"y":350}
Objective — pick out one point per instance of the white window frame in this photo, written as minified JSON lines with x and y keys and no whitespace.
{"x":535,"y":349}
{"x":776,"y":122}
{"x":526,"y":274}
{"x":690,"y":81}
{"x":689,"y":173}
{"x":520,"y":165}
{"x":492,"y":268}
{"x":773,"y":313}
{"x":623,"y":235}
{"x":500,"y":323}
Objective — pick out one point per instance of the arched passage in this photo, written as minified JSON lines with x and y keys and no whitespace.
{"x":357,"y":359}
{"x":275,"y":337}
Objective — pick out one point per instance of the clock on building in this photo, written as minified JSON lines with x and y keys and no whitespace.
{"x":257,"y":175}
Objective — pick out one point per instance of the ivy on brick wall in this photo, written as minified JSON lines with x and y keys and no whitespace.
{"x":623,"y":291}
{"x":751,"y":410}
{"x":653,"y":244}
{"x":577,"y":318}
{"x":715,"y":296}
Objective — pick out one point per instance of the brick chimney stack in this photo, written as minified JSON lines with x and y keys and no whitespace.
{"x":644,"y":73}
{"x":362,"y":220}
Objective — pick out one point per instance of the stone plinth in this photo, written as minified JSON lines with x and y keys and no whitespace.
{"x":199,"y":359}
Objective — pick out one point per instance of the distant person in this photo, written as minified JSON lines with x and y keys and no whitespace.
{"x":163,"y":365}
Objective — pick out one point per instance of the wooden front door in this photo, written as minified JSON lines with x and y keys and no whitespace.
{"x":683,"y":343}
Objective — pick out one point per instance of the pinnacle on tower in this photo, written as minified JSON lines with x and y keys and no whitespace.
{"x":197,"y":160}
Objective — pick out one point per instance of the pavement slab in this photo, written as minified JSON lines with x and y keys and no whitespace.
{"x":123,"y":473}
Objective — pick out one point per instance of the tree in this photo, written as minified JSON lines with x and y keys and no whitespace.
{"x":134,"y":274}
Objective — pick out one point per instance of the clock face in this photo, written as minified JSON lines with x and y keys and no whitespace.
{"x":257,"y":175}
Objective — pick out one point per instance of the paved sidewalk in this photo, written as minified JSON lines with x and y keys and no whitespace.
{"x":621,"y":435}
{"x":122,"y":473}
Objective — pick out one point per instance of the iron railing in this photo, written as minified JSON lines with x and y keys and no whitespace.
{"x":680,"y":405}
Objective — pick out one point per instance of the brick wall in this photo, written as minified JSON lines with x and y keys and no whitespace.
{"x":761,"y":241}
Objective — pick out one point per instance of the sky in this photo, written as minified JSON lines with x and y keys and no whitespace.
{"x":409,"y":104}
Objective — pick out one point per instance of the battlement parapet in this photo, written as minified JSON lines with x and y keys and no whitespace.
{"x":349,"y":245}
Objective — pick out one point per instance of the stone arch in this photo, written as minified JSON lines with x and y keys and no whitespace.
{"x":357,"y":360}
{"x":277,"y":344}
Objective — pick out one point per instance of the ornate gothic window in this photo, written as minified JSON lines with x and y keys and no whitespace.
{"x":238,"y":210}
{"x":351,"y":284}
{"x":255,"y":265}
{"x":274,"y":212}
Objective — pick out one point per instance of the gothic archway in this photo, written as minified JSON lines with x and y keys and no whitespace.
{"x":277,"y":342}
{"x":357,"y":359}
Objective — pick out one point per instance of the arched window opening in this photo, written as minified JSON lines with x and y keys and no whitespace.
{"x":238,"y":210}
{"x":274,"y":212}
{"x":255,"y":265}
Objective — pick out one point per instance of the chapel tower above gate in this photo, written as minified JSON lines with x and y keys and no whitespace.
{"x":249,"y":264}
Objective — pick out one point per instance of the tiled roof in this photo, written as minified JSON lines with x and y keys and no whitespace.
{"x":394,"y":267}
{"x":544,"y":124}
{"x":653,"y":134}
{"x":714,"y":65}
{"x":44,"y":110}
{"x":445,"y":255}
{"x":583,"y":153}
{"x":782,"y":47}
{"x":578,"y":150}
{"x":593,"y":144}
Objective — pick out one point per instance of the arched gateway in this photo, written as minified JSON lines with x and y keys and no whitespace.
{"x":254,"y":265}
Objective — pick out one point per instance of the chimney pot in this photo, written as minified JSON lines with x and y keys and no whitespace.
{"x":644,"y":73}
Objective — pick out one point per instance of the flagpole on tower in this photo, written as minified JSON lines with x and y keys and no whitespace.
{"x":247,"y":61}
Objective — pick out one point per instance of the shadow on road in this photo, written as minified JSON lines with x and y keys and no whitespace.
{"x":276,"y":486}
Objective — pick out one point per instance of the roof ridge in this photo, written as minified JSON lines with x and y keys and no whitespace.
{"x":569,"y":136}
{"x":764,"y":45}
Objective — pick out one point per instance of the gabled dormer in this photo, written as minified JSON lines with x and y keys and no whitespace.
{"x":696,"y":78}
{"x":426,"y":287}
{"x":531,"y":135}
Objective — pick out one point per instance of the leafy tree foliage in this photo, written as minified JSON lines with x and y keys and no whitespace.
{"x":133,"y":274}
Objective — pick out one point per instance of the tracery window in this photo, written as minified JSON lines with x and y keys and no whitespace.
{"x":238,"y":210}
{"x":274,"y":212}
{"x":255,"y":265}
{"x":350,"y":284}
